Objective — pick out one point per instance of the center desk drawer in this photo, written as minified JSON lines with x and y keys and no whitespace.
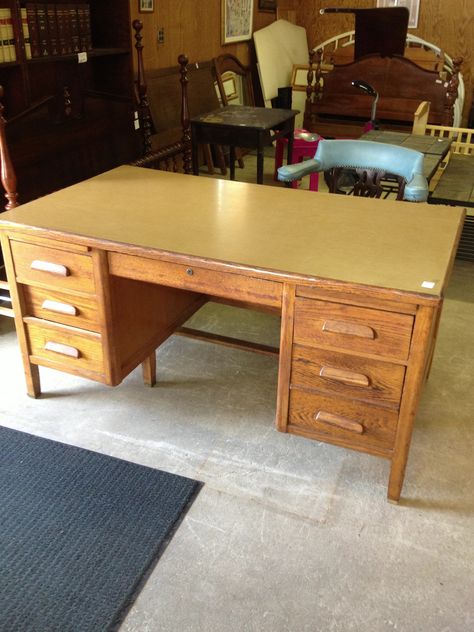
{"x":52,"y":267}
{"x":354,"y":329}
{"x":237,"y":287}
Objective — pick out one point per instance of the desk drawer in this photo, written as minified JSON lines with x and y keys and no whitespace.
{"x":52,"y":267}
{"x":65,"y":348}
{"x":359,"y":329}
{"x":347,"y":375}
{"x":77,"y":311}
{"x":237,"y":287}
{"x":354,"y":424}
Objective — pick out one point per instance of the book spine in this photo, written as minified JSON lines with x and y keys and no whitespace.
{"x":86,"y":35}
{"x":2,"y":52}
{"x":26,"y":33}
{"x":10,"y":34}
{"x":33,"y":29}
{"x":61,"y":26}
{"x":74,"y":26}
{"x":52,"y":29}
{"x":42,"y":29}
{"x":4,"y":35}
{"x":66,"y":24}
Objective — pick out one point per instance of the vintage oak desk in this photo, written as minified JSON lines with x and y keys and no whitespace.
{"x":104,"y":271}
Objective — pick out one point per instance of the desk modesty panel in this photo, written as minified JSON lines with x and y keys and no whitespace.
{"x":103,"y":272}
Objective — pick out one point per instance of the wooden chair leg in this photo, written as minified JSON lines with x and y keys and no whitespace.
{"x":238,"y":154}
{"x":208,"y":158}
{"x":149,"y":370}
{"x":221,"y":160}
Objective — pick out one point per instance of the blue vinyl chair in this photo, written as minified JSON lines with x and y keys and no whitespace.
{"x":358,"y":167}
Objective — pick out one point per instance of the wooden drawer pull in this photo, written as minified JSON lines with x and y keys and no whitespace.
{"x":339,"y":422}
{"x":48,"y":266}
{"x":341,"y":375}
{"x":59,"y":308}
{"x":353,"y":329}
{"x":58,"y":347}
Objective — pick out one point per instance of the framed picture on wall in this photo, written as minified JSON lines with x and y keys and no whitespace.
{"x":237,"y":20}
{"x":146,"y":6}
{"x":413,"y":7}
{"x":267,"y":5}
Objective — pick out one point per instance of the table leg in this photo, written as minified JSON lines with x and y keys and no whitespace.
{"x":289,"y":153}
{"x":260,"y":160}
{"x":232,"y":162}
{"x":195,"y":158}
{"x":289,"y":149}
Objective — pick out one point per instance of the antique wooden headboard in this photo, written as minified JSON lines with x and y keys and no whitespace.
{"x":335,"y":107}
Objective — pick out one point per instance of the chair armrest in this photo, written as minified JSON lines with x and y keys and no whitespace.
{"x":417,"y":189}
{"x":288,"y":173}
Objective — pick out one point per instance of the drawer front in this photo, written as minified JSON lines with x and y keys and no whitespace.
{"x":359,"y":329}
{"x":224,"y":284}
{"x":77,"y":311}
{"x":53,"y":268}
{"x":74,"y":351}
{"x":354,"y":424}
{"x":347,"y":375}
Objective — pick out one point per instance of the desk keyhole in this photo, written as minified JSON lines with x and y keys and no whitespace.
{"x":190,"y":271}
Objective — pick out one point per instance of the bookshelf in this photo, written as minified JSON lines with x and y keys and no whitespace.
{"x":67,"y":74}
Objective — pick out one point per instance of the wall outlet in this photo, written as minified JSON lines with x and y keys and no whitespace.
{"x":161,"y":35}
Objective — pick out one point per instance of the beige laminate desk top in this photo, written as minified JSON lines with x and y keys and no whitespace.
{"x":381,"y":243}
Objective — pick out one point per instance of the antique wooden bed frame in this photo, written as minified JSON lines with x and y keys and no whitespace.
{"x":334,"y":107}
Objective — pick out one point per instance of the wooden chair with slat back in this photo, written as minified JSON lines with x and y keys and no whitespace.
{"x":8,"y":178}
{"x":234,"y":83}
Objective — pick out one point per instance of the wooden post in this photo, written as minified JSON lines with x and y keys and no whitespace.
{"x":185,"y":122}
{"x":143,"y":105}
{"x":8,"y":175}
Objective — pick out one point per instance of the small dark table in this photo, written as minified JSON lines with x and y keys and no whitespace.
{"x":434,"y":149}
{"x":242,"y":126}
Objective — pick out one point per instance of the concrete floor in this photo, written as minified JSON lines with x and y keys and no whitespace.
{"x":287,"y":534}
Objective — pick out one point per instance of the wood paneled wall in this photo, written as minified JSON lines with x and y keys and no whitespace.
{"x":447,"y":23}
{"x":191,"y":27}
{"x":194,"y":28}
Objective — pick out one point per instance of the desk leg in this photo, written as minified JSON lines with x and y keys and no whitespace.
{"x":420,"y":355}
{"x":149,"y":370}
{"x":232,"y":162}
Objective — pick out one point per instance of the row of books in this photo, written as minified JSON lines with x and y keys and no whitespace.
{"x":56,"y":29}
{"x":7,"y":39}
